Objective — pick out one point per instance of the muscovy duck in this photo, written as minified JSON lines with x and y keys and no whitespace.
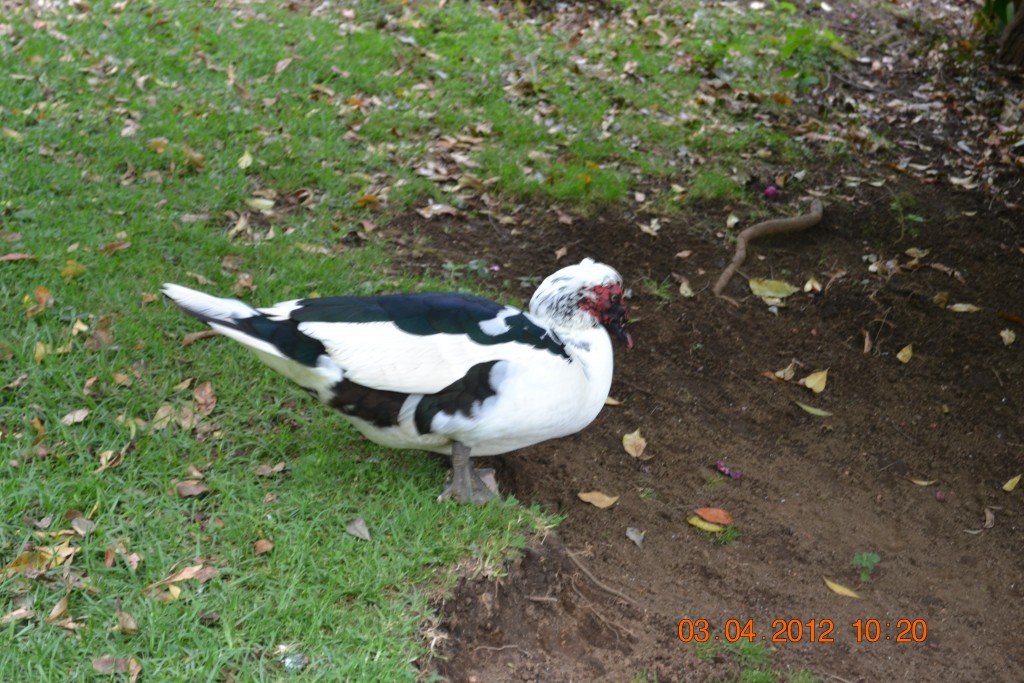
{"x":451,"y":373}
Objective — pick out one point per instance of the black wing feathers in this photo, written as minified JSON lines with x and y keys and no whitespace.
{"x":458,"y":397}
{"x":428,"y":314}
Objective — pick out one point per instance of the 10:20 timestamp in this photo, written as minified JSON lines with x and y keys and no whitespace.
{"x":810,"y":631}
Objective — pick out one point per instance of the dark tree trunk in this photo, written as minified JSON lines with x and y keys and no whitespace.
{"x":1011,"y":46}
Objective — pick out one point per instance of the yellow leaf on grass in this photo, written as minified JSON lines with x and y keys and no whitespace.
{"x":1011,"y":484}
{"x":709,"y":527}
{"x":635,"y":445}
{"x":59,"y":610}
{"x":260,"y":203}
{"x":817,"y":412}
{"x":774,"y":289}
{"x":815,"y":381}
{"x":72,"y":269}
{"x":840,"y":589}
{"x":905,"y":354}
{"x":245,"y":161}
{"x":597,"y":499}
{"x":28,"y":559}
{"x":715,"y":515}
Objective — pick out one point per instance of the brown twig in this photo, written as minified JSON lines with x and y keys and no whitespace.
{"x":602,"y":586}
{"x":776,"y":226}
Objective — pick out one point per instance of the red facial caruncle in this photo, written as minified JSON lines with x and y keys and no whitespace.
{"x":606,"y":303}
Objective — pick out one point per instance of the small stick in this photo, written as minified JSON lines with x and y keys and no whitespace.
{"x":605,"y":588}
{"x":776,"y":226}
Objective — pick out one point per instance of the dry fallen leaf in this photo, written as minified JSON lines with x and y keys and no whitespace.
{"x":357,"y":527}
{"x":787,"y":373}
{"x":651,"y":228}
{"x":82,"y":526}
{"x":597,"y":499}
{"x":906,"y":353}
{"x":815,"y":381}
{"x":17,"y":256}
{"x":715,"y":515}
{"x":963,"y":308}
{"x":1011,"y":484}
{"x":262,"y":546}
{"x":59,"y":610}
{"x":193,"y":337}
{"x":191,"y":489}
{"x":126,"y":623}
{"x":108,"y":664}
{"x":1008,"y":336}
{"x":772,"y":289}
{"x":205,"y":398}
{"x":17,"y":615}
{"x":163,"y":417}
{"x":635,"y":535}
{"x":817,"y":412}
{"x":72,"y":269}
{"x":924,"y":482}
{"x":282,"y":64}
{"x":260,"y":203}
{"x":113,"y":247}
{"x":35,"y":559}
{"x":245,"y":161}
{"x":264,"y":470}
{"x":635,"y":445}
{"x":709,"y":527}
{"x":75,"y":416}
{"x":612,"y":401}
{"x":199,"y":572}
{"x":840,"y":589}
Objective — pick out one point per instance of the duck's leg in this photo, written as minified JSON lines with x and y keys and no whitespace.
{"x":466,"y":485}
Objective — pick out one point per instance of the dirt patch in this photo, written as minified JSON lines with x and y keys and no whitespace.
{"x":815,"y":491}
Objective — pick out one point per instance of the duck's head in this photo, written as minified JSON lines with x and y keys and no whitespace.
{"x":583,"y":296}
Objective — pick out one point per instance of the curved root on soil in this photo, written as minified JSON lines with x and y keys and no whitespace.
{"x":776,"y":226}
{"x":606,"y":588}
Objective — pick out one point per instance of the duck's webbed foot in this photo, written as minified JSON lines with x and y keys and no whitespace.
{"x":468,"y":485}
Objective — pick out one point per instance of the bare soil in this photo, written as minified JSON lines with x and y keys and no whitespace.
{"x":588,"y":604}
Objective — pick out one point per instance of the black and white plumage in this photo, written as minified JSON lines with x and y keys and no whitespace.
{"x":444,"y":372}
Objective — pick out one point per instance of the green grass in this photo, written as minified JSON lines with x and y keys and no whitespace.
{"x":754,"y":662}
{"x":158,"y":125}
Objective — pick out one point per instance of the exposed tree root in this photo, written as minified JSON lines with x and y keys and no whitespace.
{"x":776,"y":226}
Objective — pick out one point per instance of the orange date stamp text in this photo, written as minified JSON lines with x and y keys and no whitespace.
{"x":803,"y":631}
